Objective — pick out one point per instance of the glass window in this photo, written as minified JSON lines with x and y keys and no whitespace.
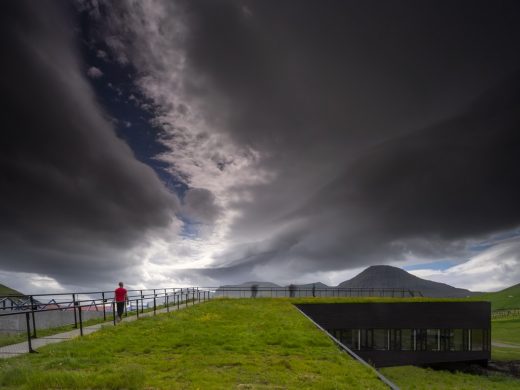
{"x":477,"y":339}
{"x":367,"y":338}
{"x":432,"y":339}
{"x":380,"y":340}
{"x":421,"y":338}
{"x":395,"y":339}
{"x":406,"y":339}
{"x":349,"y":338}
{"x":457,"y":341}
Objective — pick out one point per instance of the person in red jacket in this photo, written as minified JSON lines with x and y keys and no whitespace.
{"x":121,"y":297}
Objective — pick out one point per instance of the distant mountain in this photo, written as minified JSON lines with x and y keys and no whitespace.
{"x":385,"y":276}
{"x":508,"y":298}
{"x":318,"y":285}
{"x":4,"y":290}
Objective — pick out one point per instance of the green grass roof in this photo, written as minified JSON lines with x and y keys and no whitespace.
{"x":221,"y":344}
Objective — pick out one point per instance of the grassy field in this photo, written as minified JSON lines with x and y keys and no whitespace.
{"x":506,"y":331}
{"x":409,"y":377}
{"x":4,"y":290}
{"x":222,"y":344}
{"x":508,"y":298}
{"x":22,"y":336}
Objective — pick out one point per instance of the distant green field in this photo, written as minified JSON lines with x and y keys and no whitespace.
{"x":506,"y":332}
{"x":410,"y":377}
{"x":504,"y":299}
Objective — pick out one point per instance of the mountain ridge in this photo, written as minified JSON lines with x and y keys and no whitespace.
{"x":384,"y":277}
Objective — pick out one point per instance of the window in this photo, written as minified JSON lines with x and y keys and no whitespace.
{"x":395,"y":339}
{"x":421,"y":337}
{"x":407,"y":340}
{"x":457,"y":340}
{"x":432,"y":339}
{"x":380,"y":339}
{"x":449,"y":340}
{"x":349,"y":337}
{"x":477,"y":339}
{"x":367,"y":336}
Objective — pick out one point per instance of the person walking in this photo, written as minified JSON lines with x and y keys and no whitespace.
{"x":121,"y":297}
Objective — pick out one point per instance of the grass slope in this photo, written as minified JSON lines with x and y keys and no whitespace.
{"x":4,"y":290}
{"x":508,"y":298}
{"x":409,"y":377}
{"x":506,"y":332}
{"x":222,"y":344}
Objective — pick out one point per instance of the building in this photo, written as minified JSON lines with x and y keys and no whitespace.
{"x":402,"y":333}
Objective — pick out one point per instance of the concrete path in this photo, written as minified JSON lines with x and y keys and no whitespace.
{"x":22,"y":348}
{"x":504,"y":345}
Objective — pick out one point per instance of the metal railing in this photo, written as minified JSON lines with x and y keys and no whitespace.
{"x":99,"y":301}
{"x":505,"y":313}
{"x":104,"y":301}
{"x":304,"y":292}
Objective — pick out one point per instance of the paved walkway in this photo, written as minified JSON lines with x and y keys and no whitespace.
{"x":22,"y":348}
{"x":504,"y":345}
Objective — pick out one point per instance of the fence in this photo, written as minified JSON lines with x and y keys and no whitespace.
{"x":28,"y":313}
{"x":505,"y":313}
{"x":302,"y":292}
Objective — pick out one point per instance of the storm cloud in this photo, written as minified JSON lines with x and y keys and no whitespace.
{"x":74,"y":199}
{"x":304,"y":139}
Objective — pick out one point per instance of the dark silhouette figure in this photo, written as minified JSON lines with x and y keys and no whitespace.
{"x":292,"y":290}
{"x":254,"y":290}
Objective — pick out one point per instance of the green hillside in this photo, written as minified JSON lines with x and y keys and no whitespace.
{"x":4,"y":290}
{"x":504,"y":299}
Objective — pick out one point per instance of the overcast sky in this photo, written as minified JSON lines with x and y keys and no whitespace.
{"x":173,"y":143}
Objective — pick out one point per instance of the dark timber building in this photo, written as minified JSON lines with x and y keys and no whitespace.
{"x":392,"y":334}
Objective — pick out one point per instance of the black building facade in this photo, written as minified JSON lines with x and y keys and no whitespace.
{"x":392,"y":334}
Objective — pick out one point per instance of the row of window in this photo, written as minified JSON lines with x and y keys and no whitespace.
{"x":414,"y":339}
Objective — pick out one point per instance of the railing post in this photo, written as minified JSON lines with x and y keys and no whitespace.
{"x":27,"y":324}
{"x":187,"y":295}
{"x":104,"y":311}
{"x":137,"y":307}
{"x":154,"y":302}
{"x":32,"y":314}
{"x":167,"y":306}
{"x":74,"y":306}
{"x":114,"y":311}
{"x":80,"y":320}
{"x":178,"y":301}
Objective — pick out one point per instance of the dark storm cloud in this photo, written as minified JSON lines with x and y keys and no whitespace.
{"x":422,"y":193}
{"x":199,"y":206}
{"x":364,"y":111}
{"x":74,"y":199}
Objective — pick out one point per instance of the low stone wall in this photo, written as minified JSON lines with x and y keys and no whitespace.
{"x":15,"y":324}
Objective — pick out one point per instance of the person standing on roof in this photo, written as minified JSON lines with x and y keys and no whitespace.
{"x":121,"y":297}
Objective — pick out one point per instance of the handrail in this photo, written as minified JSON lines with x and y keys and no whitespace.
{"x":24,"y":302}
{"x":184,"y":296}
